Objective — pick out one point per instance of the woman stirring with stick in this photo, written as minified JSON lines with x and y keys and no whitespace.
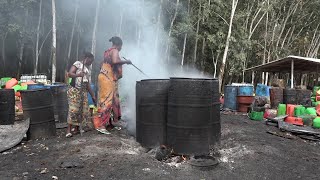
{"x":110,"y":73}
{"x":77,"y":93}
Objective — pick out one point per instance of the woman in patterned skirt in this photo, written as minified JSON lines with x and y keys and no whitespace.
{"x":77,"y":93}
{"x":110,"y":73}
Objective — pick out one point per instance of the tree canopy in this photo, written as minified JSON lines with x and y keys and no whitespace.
{"x":187,"y":33}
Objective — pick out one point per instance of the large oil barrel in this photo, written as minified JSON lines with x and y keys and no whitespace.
{"x":37,"y":105}
{"x":230,"y":97}
{"x":138,"y":127}
{"x":60,"y":101}
{"x":36,"y":86}
{"x":152,"y":99}
{"x":303,"y":97}
{"x":8,"y":96}
{"x":289,"y":96}
{"x":4,"y":114}
{"x":276,"y":97}
{"x":262,"y":90}
{"x":245,"y":90}
{"x":215,"y":122}
{"x":193,"y":115}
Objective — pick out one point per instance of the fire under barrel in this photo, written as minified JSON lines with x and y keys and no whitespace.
{"x":193,"y":115}
{"x":151,"y":113}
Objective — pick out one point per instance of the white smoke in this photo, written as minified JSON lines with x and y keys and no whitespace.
{"x":135,"y":15}
{"x":150,"y":60}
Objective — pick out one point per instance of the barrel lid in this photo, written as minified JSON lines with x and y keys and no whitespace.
{"x":196,"y":79}
{"x":37,"y":84}
{"x":230,"y":85}
{"x":6,"y":89}
{"x":33,"y":90}
{"x":154,"y":80}
{"x":56,"y":85}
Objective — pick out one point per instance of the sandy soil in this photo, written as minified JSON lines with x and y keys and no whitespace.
{"x":246,"y":152}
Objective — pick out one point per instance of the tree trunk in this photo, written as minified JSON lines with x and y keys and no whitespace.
{"x":197,"y":38}
{"x":78,"y":41}
{"x":215,"y":63}
{"x":38,"y":39}
{"x":72,"y":34}
{"x":170,"y":31}
{"x":4,"y":52}
{"x":140,"y":24}
{"x":203,"y":54}
{"x":156,"y":45}
{"x":120,"y":23}
{"x":20,"y":58}
{"x":225,"y":54}
{"x":265,"y":42}
{"x":54,"y":42}
{"x":94,"y":35}
{"x":185,"y":39}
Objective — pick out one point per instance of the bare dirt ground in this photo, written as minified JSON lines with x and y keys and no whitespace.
{"x":246,"y":152}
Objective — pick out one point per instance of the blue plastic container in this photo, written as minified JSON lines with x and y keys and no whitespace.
{"x":246,"y":90}
{"x":262,"y":90}
{"x":230,"y":97}
{"x":89,"y":96}
{"x":35,"y":86}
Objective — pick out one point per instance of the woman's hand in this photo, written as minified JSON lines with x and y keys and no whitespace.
{"x":128,"y":62}
{"x":81,"y":74}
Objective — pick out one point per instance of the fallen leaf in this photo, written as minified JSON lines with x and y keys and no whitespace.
{"x":44,"y":171}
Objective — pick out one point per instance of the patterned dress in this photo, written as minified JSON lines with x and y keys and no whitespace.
{"x":109,"y":103}
{"x":75,"y":97}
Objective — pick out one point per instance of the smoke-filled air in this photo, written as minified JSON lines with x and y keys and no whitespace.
{"x":145,"y":44}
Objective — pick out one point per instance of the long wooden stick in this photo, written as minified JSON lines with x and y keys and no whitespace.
{"x":81,"y":101}
{"x":136,"y":67}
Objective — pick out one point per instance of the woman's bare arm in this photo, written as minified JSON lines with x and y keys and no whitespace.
{"x":116,"y":58}
{"x":72,"y":72}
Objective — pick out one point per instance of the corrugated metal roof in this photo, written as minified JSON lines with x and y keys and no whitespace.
{"x":301,"y":64}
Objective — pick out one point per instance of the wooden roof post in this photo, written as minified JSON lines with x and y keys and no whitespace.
{"x":292,"y":71}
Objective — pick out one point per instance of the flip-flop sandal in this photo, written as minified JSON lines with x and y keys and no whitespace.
{"x":68,"y":135}
{"x":117,"y":128}
{"x":104,"y":131}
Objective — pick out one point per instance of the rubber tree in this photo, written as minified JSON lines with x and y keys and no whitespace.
{"x":54,"y":42}
{"x":225,"y":54}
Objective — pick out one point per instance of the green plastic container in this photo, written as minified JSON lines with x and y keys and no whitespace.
{"x":313,"y":104}
{"x":315,"y":89}
{"x":16,"y":88}
{"x":23,"y":88}
{"x":316,"y":123}
{"x":256,"y":116}
{"x":282,"y":108}
{"x":6,"y":79}
{"x":307,"y":119}
{"x":313,"y":99}
{"x":311,"y":111}
{"x":299,"y":111}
